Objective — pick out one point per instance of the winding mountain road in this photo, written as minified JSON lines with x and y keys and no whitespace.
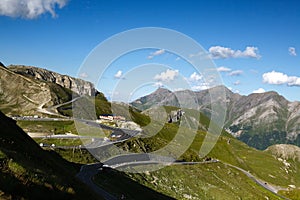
{"x":86,"y":174}
{"x":258,"y":181}
{"x":88,"y":171}
{"x":50,"y":110}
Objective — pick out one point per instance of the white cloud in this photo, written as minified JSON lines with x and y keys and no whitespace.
{"x":279,"y":78}
{"x":223,"y":69}
{"x":275,"y":78}
{"x":195,"y":77}
{"x":217,"y":52}
{"x":168,"y":75}
{"x":235,"y":73}
{"x":156,"y":53}
{"x":29,"y":9}
{"x":292,"y":51}
{"x":259,"y":90}
{"x":178,"y":58}
{"x":118,"y":74}
{"x":238,"y":82}
{"x":158,"y":84}
{"x":196,"y":82}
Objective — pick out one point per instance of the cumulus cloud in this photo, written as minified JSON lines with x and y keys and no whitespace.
{"x":168,"y":75}
{"x":279,"y":78}
{"x":235,"y":73}
{"x":217,"y":52}
{"x":195,"y":77}
{"x":292,"y":51}
{"x":259,"y":90}
{"x":118,"y":74}
{"x":30,"y":9}
{"x":223,"y":69}
{"x":196,"y":82}
{"x":156,"y":53}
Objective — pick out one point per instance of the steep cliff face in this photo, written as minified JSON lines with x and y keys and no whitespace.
{"x":78,"y":86}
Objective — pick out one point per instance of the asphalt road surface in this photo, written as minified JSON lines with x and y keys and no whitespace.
{"x":86,"y":174}
{"x":258,"y":181}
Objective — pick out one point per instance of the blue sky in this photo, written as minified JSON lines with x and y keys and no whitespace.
{"x":254,"y":44}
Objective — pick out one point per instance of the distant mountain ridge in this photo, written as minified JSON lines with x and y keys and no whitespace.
{"x":260,"y":119}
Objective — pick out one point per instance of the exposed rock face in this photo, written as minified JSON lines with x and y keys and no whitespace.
{"x":259,"y":120}
{"x":175,"y":116}
{"x":78,"y":86}
{"x":129,"y":125}
{"x":285,"y":151}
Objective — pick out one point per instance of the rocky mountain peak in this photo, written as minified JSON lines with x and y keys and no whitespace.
{"x":162,"y":90}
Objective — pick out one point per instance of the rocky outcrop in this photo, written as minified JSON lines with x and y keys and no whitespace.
{"x":78,"y":86}
{"x":175,"y":116}
{"x":285,"y":151}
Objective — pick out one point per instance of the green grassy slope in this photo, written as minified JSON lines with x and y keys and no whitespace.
{"x":119,"y":184}
{"x":48,"y":127}
{"x":87,"y":107}
{"x":60,"y":94}
{"x":28,"y":172}
{"x":99,"y":106}
{"x":203,"y":181}
{"x":216,"y":180}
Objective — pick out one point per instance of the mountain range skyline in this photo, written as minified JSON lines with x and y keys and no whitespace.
{"x":259,"y":120}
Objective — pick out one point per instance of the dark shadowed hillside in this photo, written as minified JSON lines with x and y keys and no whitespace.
{"x":29,"y":172}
